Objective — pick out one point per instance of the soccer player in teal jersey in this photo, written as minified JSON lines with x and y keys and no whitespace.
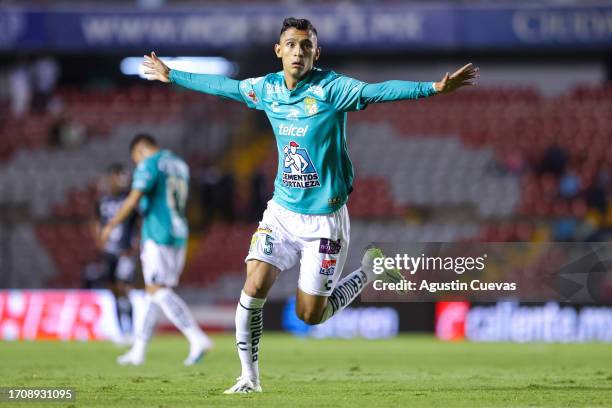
{"x":307,"y":219}
{"x":159,"y":188}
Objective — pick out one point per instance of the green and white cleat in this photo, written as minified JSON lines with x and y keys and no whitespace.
{"x":197,"y":350}
{"x":389,"y":275}
{"x":132,"y":357}
{"x":244,"y":386}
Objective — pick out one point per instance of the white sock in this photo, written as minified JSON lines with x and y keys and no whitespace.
{"x":346,"y":291}
{"x":249,"y":328}
{"x":144,"y":332}
{"x":178,"y":313}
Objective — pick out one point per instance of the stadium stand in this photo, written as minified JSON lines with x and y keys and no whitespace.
{"x":412,"y":160}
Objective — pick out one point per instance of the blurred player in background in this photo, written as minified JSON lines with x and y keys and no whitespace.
{"x":307,"y":219}
{"x":118,"y":252}
{"x":160,"y":186}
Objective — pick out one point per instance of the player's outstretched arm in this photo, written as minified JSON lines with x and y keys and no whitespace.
{"x":156,"y":70}
{"x":96,"y":231}
{"x":401,"y":90}
{"x":464,"y":76}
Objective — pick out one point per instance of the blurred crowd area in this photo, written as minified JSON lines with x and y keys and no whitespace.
{"x":149,"y":4}
{"x":525,"y":156}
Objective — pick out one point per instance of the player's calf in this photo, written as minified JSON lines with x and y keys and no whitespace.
{"x":310,"y":308}
{"x":249,"y":323}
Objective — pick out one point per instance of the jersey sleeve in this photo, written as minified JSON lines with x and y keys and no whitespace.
{"x":217,"y":85}
{"x":345,"y":94}
{"x":251,"y":91}
{"x":145,"y":177}
{"x":395,"y":90}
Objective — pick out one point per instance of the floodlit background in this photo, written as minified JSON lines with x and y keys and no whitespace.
{"x":526,"y":156}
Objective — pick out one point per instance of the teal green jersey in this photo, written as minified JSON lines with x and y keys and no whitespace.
{"x":164,"y":180}
{"x":315,"y":173}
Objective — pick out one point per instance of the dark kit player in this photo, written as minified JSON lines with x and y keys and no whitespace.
{"x":118,"y":252}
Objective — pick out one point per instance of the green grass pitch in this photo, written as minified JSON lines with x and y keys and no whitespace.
{"x":411,"y":371}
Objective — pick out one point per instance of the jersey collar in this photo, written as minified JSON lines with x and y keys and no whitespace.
{"x":302,"y":82}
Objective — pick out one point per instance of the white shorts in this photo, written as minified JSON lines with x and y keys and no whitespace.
{"x":126,"y":265}
{"x":161,"y":265}
{"x":320,"y":242}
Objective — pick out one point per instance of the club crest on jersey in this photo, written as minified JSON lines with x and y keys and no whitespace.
{"x":310,"y":106}
{"x":298,"y":169}
{"x":329,"y":246}
{"x":328,"y":267}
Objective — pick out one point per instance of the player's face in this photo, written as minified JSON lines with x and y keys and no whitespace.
{"x":298,"y":50}
{"x":137,"y":155}
{"x":117,"y":181}
{"x":293,"y":149}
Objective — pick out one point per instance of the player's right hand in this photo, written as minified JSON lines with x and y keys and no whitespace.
{"x":462,"y":77}
{"x":155,"y":69}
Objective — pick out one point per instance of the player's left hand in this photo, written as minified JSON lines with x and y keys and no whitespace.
{"x":462,"y":77}
{"x":105,"y":234}
{"x":155,"y":69}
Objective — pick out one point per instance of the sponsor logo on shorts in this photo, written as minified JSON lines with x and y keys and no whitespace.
{"x":329,"y":246}
{"x":328,"y":267}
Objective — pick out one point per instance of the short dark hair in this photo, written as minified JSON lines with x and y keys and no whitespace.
{"x":142,"y":138}
{"x":115,"y":168}
{"x":298,"y":24}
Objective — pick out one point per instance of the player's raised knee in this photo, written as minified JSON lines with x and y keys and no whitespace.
{"x":260,"y":278}
{"x":257,"y":288}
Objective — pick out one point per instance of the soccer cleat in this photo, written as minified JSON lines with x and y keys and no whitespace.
{"x":197,"y":351}
{"x":389,"y":275}
{"x":130,"y":358}
{"x":124,"y":341}
{"x":244,"y":386}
